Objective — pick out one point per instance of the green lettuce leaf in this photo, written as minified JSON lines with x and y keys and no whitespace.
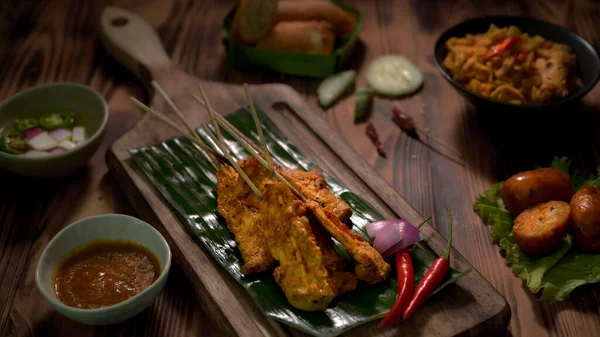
{"x":562,"y":164}
{"x":593,"y":180}
{"x":573,"y":270}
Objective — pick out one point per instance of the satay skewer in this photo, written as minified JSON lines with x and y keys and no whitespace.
{"x":261,"y":136}
{"x":224,"y":121}
{"x":180,"y":115}
{"x":254,"y":152}
{"x":174,"y":126}
{"x":226,"y":158}
{"x":224,"y":148}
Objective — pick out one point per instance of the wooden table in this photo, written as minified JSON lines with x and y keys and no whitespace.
{"x":53,"y":41}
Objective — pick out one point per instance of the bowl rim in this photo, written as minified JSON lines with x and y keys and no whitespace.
{"x":81,"y":86}
{"x":576,"y":97}
{"x":57,"y":303}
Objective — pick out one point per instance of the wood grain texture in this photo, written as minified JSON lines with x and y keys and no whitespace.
{"x":48,"y":41}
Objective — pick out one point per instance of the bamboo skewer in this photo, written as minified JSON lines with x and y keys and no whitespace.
{"x":173,"y":107}
{"x":223,"y":148}
{"x":246,"y":144}
{"x":263,"y":141}
{"x":223,"y":121}
{"x":181,"y":117}
{"x":174,"y":126}
{"x":256,"y":154}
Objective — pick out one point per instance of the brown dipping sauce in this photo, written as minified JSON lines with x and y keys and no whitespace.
{"x":105,"y":272}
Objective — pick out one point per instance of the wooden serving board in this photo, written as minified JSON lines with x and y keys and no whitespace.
{"x":472,"y":307}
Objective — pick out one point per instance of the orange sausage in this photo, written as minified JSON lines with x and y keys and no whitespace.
{"x":585,"y":218}
{"x":530,"y":188}
{"x":540,"y":229}
{"x":310,"y":10}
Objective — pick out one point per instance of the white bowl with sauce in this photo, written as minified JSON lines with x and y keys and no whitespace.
{"x":88,"y":230}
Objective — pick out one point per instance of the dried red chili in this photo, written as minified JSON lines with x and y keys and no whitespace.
{"x":374,"y":137}
{"x":404,"y":121}
{"x":407,"y":124}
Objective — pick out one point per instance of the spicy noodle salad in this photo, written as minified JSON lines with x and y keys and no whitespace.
{"x":509,"y":66}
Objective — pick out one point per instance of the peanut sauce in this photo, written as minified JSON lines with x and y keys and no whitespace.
{"x":105,"y":272}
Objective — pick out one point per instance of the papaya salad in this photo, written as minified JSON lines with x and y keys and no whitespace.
{"x":51,"y":134}
{"x":507,"y":65}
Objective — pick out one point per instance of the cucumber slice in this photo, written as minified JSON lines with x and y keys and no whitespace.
{"x":334,"y":86}
{"x":394,"y":75}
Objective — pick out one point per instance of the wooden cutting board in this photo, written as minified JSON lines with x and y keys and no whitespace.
{"x":473,"y":307}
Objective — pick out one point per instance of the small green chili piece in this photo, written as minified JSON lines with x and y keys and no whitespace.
{"x":26,"y":124}
{"x":14,"y":143}
{"x":56,"y":121}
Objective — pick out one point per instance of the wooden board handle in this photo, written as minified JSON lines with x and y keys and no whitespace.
{"x":132,"y":41}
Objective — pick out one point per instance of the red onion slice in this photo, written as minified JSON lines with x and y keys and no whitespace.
{"x":394,"y":236}
{"x":31,"y":133}
{"x":387,"y":237}
{"x":374,"y":227}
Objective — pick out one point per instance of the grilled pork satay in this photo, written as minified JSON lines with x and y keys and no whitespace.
{"x":240,"y":208}
{"x":370,"y":266}
{"x":343,"y":282}
{"x":301,"y":273}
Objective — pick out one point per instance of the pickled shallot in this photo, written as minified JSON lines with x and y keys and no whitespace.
{"x":39,"y":137}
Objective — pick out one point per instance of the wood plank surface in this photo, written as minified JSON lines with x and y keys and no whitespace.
{"x":50,"y":41}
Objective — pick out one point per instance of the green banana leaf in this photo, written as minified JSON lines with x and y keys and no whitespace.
{"x":186,"y":179}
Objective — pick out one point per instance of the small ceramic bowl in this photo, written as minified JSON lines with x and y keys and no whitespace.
{"x":92,"y":113}
{"x":109,"y":226}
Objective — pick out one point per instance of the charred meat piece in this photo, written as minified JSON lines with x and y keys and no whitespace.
{"x":312,"y":185}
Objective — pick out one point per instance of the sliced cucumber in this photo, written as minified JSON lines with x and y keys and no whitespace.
{"x":334,"y":86}
{"x":394,"y":75}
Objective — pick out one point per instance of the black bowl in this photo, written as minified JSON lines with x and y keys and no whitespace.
{"x":587,"y":68}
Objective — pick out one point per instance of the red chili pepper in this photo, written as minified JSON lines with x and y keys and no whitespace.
{"x":404,"y":121}
{"x":522,"y":55}
{"x":432,"y":279}
{"x":406,"y":281}
{"x":501,"y":47}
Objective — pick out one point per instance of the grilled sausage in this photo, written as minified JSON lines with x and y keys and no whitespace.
{"x":529,"y":188}
{"x":540,"y":229}
{"x":585,"y":218}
